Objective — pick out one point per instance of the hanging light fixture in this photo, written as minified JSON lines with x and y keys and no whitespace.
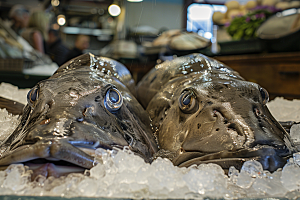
{"x":61,"y":20}
{"x":135,"y":0}
{"x":114,"y":10}
{"x":55,"y":3}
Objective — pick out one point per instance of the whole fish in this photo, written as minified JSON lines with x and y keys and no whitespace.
{"x":202,"y":111}
{"x":85,"y":105}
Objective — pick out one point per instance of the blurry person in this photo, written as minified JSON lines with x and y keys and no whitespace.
{"x":82,"y":42}
{"x":56,"y":49}
{"x":36,"y":32}
{"x":19,"y":15}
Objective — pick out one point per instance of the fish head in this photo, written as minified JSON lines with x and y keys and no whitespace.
{"x":71,"y":114}
{"x":212,"y":117}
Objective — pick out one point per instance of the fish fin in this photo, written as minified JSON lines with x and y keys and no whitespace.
{"x":11,"y":106}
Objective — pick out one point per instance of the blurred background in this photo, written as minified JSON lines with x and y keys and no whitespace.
{"x":258,"y":38}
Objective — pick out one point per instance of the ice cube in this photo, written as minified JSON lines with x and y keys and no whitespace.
{"x":244,"y":180}
{"x":285,"y":110}
{"x":8,"y":123}
{"x":98,"y":171}
{"x":157,"y":187}
{"x":253,"y":168}
{"x":249,"y":171}
{"x":52,"y":182}
{"x":296,"y":158}
{"x":10,"y":91}
{"x":144,"y":172}
{"x":134,"y":165}
{"x":233,"y":173}
{"x":59,"y":190}
{"x":290,"y":177}
{"x":88,"y":187}
{"x":270,"y":184}
{"x":16,"y":178}
{"x":295,"y":135}
{"x":208,"y":178}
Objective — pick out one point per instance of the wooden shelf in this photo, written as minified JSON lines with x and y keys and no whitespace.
{"x":279,"y":73}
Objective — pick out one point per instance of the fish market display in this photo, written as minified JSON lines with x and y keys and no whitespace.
{"x":203,"y":112}
{"x":125,"y":175}
{"x":85,"y":105}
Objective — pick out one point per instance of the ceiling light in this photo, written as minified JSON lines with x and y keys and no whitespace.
{"x":55,"y":3}
{"x":135,"y":0}
{"x":114,"y":10}
{"x":61,"y":20}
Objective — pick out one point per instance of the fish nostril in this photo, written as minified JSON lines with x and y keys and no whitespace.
{"x":257,"y":112}
{"x":215,"y":113}
{"x":50,"y":103}
{"x":45,"y":121}
{"x":89,"y":110}
{"x":198,"y":125}
{"x":232,"y":126}
{"x":182,"y":150}
{"x":225,"y":120}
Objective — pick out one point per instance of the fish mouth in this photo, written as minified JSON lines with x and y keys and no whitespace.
{"x":270,"y":157}
{"x":55,"y":157}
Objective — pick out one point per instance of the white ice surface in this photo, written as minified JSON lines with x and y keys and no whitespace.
{"x":124,"y":175}
{"x":285,"y":110}
{"x":10,"y":91}
{"x":42,"y":70}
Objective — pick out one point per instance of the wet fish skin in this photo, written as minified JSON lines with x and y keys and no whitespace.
{"x":73,"y":111}
{"x":203,"y":111}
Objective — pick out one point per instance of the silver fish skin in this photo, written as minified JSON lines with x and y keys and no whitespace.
{"x":86,"y":104}
{"x":202,"y":111}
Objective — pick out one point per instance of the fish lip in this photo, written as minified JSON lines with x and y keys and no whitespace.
{"x":227,"y":158}
{"x":53,"y":149}
{"x":86,"y":150}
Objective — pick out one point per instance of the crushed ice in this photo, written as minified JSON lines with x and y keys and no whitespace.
{"x":121,"y":174}
{"x":13,"y":92}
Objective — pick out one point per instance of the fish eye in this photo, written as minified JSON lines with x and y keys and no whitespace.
{"x":264,"y":95}
{"x":32,"y":96}
{"x":113,"y":100}
{"x":188,"y":102}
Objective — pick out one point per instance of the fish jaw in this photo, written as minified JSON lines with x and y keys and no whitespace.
{"x":51,"y":149}
{"x":270,"y":158}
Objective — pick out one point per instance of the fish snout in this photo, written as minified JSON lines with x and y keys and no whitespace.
{"x":266,"y":129}
{"x":215,"y":129}
{"x":49,"y":128}
{"x":249,"y":125}
{"x":218,"y":128}
{"x":228,"y":137}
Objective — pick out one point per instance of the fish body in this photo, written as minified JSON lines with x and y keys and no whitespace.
{"x":85,"y":105}
{"x":202,"y":111}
